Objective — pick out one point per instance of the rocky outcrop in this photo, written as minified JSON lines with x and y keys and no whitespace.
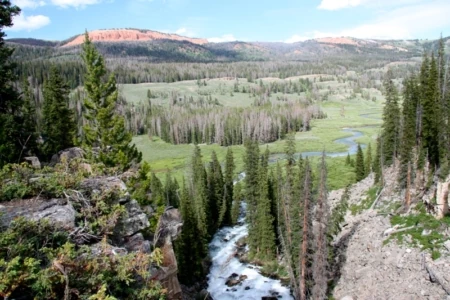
{"x":67,"y":155}
{"x":57,"y":211}
{"x":442,"y":199}
{"x":120,"y":35}
{"x":127,"y":234}
{"x":96,"y":185}
{"x":135,"y":221}
{"x":169,"y":228}
{"x":34,"y":161}
{"x":370,"y":268}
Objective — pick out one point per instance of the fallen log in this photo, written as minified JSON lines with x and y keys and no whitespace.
{"x":435,"y":277}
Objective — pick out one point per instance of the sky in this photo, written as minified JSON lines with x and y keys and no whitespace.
{"x":244,"y":20}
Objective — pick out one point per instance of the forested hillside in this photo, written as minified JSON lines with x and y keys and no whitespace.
{"x":136,"y":164}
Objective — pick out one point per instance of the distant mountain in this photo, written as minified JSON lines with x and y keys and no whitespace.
{"x":134,"y":35}
{"x":155,"y":46}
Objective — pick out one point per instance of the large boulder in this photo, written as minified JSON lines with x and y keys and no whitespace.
{"x":135,"y":220}
{"x":67,"y":155}
{"x":442,"y":198}
{"x":57,"y":211}
{"x":96,"y":185}
{"x":34,"y":161}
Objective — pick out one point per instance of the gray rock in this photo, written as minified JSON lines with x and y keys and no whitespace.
{"x":137,"y":243}
{"x":447,"y":245}
{"x":67,"y":155}
{"x":347,"y":298}
{"x":34,"y":161}
{"x":57,"y":211}
{"x":135,"y":220}
{"x":170,"y":225}
{"x":96,"y":185}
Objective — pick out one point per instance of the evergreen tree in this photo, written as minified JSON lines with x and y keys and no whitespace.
{"x":105,"y":128}
{"x":348,"y":160}
{"x":217,"y":205}
{"x":251,"y":161}
{"x":58,"y":128}
{"x":199,"y":192}
{"x":431,"y":114}
{"x":359,"y":168}
{"x":368,"y":161}
{"x":377,"y":162}
{"x":320,"y":274}
{"x":265,"y":242}
{"x":390,"y":127}
{"x":228,"y":189}
{"x":190,"y":252}
{"x":408,"y":133}
{"x":305,"y":253}
{"x":29,"y":114}
{"x":14,"y":136}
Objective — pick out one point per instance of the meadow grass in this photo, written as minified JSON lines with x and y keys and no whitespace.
{"x":341,"y":109}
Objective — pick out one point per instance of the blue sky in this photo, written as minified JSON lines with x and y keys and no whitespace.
{"x":245,"y":20}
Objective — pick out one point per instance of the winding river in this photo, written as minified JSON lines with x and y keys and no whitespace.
{"x":222,"y":248}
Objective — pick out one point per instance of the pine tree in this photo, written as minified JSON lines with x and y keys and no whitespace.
{"x":431,"y":115}
{"x":391,"y":125}
{"x":190,"y":252}
{"x":228,"y":188}
{"x":348,"y":160}
{"x":217,"y":205}
{"x":14,"y":136}
{"x":264,"y":248}
{"x":58,"y":128}
{"x":30,"y":125}
{"x":306,"y":238}
{"x":105,"y":128}
{"x":320,"y":274}
{"x":359,"y":168}
{"x":377,"y":162}
{"x":199,"y":192}
{"x":408,"y":132}
{"x":251,"y":161}
{"x":368,"y":161}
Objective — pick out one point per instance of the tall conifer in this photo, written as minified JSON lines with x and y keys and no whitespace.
{"x":105,"y":128}
{"x":359,"y":167}
{"x":391,"y":124}
{"x":58,"y":128}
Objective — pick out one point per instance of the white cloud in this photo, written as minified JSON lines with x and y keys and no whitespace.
{"x":74,"y":3}
{"x":185,"y":32}
{"x":404,"y":22}
{"x":28,"y":3}
{"x":404,"y":19}
{"x":341,"y":4}
{"x":29,"y":23}
{"x":224,"y":38}
{"x":338,"y":4}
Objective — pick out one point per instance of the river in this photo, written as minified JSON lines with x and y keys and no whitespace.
{"x":222,"y":248}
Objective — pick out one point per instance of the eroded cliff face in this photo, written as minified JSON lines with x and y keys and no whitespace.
{"x":127,"y":234}
{"x":120,"y":35}
{"x":372,"y":264}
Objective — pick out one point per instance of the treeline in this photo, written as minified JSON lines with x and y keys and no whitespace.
{"x":420,"y":138}
{"x":288,"y":215}
{"x":228,"y":125}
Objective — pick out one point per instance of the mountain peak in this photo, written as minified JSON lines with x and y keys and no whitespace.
{"x":118,"y":35}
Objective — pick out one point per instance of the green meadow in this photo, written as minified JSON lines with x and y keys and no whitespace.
{"x":344,"y":109}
